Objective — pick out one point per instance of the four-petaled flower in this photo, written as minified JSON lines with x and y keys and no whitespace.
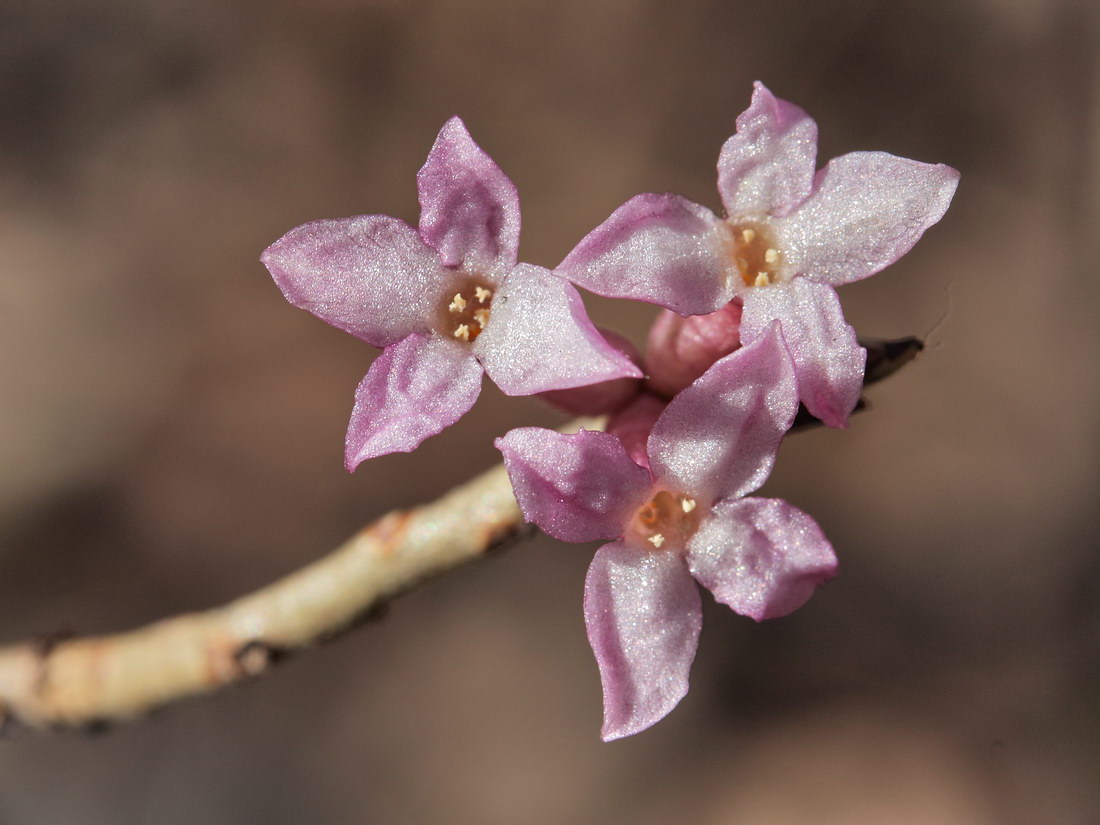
{"x":789,"y":236}
{"x":683,"y":516}
{"x":446,"y":302}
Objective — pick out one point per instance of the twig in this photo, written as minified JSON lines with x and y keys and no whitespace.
{"x":85,"y":683}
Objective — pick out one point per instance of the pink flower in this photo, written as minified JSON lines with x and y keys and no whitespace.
{"x":681,"y":517}
{"x":447,"y":302}
{"x":788,"y":238}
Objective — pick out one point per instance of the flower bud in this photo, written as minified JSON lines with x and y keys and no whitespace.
{"x":680,"y":349}
{"x":633,"y":423}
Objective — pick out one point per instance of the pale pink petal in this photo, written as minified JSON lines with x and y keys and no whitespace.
{"x":469,"y":209}
{"x":634,"y":422}
{"x":643,"y":615}
{"x":718,"y":438}
{"x":605,"y":397}
{"x":539,"y":337}
{"x":828,"y":359}
{"x":575,"y":487}
{"x":679,"y":349}
{"x":662,"y":249}
{"x":867,"y":210}
{"x":767,"y":167}
{"x":760,"y":556}
{"x":413,"y":390}
{"x":370,"y":275}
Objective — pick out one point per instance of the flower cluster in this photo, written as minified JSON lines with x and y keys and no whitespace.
{"x":751,"y":328}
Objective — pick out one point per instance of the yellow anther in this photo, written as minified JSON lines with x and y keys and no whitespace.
{"x":483,"y":295}
{"x":771,"y":256}
{"x":462,"y":332}
{"x":656,"y":540}
{"x":762,"y":279}
{"x":458,"y":304}
{"x":748,"y":235}
{"x":482,"y":317}
{"x":688,"y":504}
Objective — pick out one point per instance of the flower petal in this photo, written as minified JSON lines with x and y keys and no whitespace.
{"x":643,"y":615}
{"x":663,"y":249}
{"x":606,"y":396}
{"x":413,"y":390}
{"x":718,"y":438}
{"x":828,"y":359}
{"x":575,"y":487}
{"x":369,"y":275}
{"x":469,"y":209}
{"x":760,"y":556}
{"x":539,"y":337}
{"x":767,"y":167}
{"x":867,"y":210}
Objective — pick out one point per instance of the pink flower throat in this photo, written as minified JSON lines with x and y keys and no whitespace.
{"x":667,"y":518}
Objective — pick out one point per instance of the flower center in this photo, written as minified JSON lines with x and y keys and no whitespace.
{"x":465,"y":309}
{"x":667,"y":519}
{"x":754,"y":253}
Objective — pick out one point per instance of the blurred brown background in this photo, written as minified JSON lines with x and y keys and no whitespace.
{"x":171,"y":430}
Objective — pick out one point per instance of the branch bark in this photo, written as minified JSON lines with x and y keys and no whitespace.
{"x":86,"y":682}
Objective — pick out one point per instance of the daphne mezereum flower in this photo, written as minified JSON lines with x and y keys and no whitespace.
{"x":446,"y":302}
{"x":789,"y":236}
{"x":683,"y":517}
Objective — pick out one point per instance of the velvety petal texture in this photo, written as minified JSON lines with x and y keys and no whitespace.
{"x":760,"y":556}
{"x":576,"y":487}
{"x":767,"y":167}
{"x":606,"y":396}
{"x":469,"y":209}
{"x":413,"y":390}
{"x":828,"y":359}
{"x":643,"y":615}
{"x":539,"y":337}
{"x":370,"y":275}
{"x":718,"y":438}
{"x":867,"y":210}
{"x":662,"y":249}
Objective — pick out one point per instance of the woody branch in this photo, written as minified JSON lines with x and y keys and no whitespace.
{"x":88,"y":681}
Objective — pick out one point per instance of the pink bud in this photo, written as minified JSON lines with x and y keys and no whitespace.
{"x":633,"y":423}
{"x":679,"y":349}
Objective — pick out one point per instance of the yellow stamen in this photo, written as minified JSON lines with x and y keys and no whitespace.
{"x":748,"y":235}
{"x":482,"y":317}
{"x":762,"y":279}
{"x":483,"y":294}
{"x":656,"y":540}
{"x":462,"y":332}
{"x":688,"y":504}
{"x":458,"y":304}
{"x":771,"y":256}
